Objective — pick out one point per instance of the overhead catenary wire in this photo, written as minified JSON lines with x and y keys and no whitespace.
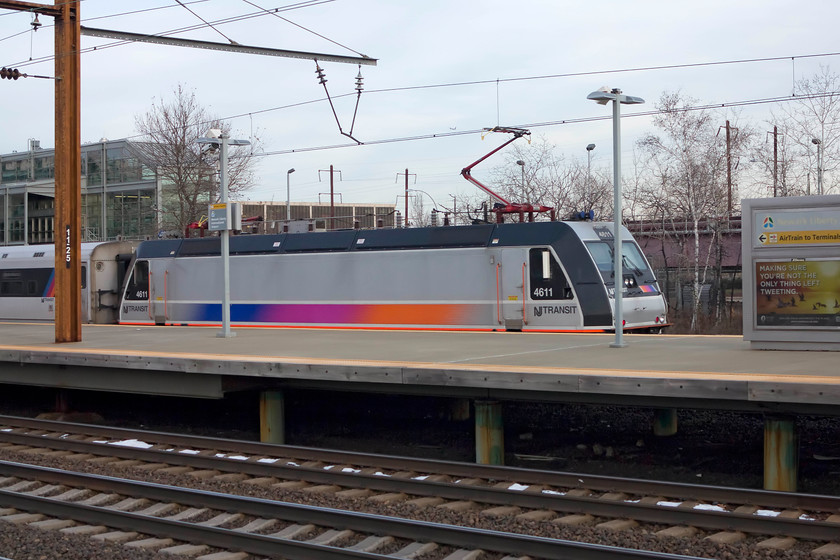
{"x":213,"y":27}
{"x":273,"y":13}
{"x":109,"y":16}
{"x":232,"y":19}
{"x":650,"y":113}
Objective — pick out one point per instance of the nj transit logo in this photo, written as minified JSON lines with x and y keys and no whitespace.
{"x":768,"y":223}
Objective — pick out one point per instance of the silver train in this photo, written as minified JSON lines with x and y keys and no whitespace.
{"x":542,"y":276}
{"x":27,"y":281}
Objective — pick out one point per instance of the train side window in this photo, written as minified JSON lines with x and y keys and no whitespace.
{"x":547,"y":278}
{"x":84,"y":277}
{"x":138,"y":285}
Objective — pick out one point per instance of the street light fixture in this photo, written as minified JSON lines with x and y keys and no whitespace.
{"x":288,"y":203}
{"x":602,"y":97}
{"x":521,"y":164}
{"x":218,"y":138}
{"x":818,"y":143}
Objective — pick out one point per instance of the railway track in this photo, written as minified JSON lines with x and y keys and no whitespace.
{"x":262,"y":527}
{"x":781,"y":520}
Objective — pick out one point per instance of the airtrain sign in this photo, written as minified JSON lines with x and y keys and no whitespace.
{"x":791,"y":273}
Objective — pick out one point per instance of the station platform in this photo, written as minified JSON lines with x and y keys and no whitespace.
{"x":477,"y":370}
{"x":652,"y":370}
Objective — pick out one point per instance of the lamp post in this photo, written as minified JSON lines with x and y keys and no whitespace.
{"x":521,"y":164}
{"x":288,"y":203}
{"x":220,"y":139}
{"x":602,"y":97}
{"x":818,"y":143}
{"x":589,"y":149}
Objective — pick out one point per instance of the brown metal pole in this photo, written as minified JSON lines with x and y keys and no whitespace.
{"x":406,"y":197}
{"x":68,"y":174}
{"x":332,"y":203}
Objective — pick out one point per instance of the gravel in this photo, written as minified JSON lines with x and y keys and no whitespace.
{"x":711,"y":447}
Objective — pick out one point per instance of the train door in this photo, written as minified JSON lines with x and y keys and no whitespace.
{"x":158,"y":280}
{"x":135,"y":305}
{"x":512,"y":289}
{"x":86,"y":312}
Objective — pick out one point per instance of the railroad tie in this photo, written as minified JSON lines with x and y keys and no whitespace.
{"x":415,"y":550}
{"x":258,"y":525}
{"x":150,"y":543}
{"x":372,"y":544}
{"x":777,"y":543}
{"x":293,"y":531}
{"x":331,"y":537}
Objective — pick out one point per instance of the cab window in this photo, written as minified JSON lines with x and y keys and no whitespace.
{"x":138,"y":284}
{"x":547,"y":279}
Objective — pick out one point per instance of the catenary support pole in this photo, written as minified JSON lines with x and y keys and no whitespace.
{"x":68,"y":173}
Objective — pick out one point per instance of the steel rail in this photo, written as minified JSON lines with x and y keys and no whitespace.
{"x":766,"y":498}
{"x":420,"y":531}
{"x":645,"y":512}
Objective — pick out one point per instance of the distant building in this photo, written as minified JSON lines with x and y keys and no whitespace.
{"x":121,"y":197}
{"x":119,"y":194}
{"x":316,"y":215}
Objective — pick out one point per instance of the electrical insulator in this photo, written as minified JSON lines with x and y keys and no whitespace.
{"x":320,"y":71}
{"x":35,"y":23}
{"x":10,"y":73}
{"x":359,"y":80}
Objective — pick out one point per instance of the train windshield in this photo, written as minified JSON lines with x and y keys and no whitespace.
{"x":632,"y":257}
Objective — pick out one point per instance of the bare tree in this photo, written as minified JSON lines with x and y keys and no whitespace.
{"x":188,"y":171}
{"x":814,"y":116}
{"x":546,"y":178}
{"x":688,"y":165}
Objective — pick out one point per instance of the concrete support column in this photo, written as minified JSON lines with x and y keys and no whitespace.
{"x":781,"y":454}
{"x":272,"y":417}
{"x":489,"y":433}
{"x":459,"y":409}
{"x":665,"y":421}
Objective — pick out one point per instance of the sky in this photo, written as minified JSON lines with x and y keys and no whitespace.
{"x":492,"y":62}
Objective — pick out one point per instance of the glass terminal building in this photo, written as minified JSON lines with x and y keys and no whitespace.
{"x":124,"y":198}
{"x":120,"y":195}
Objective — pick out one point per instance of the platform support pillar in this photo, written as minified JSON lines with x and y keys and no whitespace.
{"x":62,"y":401}
{"x":665,"y":421}
{"x":489,"y":434}
{"x":459,"y":409}
{"x":272,"y":417}
{"x":781,"y":454}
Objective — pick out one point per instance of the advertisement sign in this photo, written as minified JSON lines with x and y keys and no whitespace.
{"x":797,"y":293}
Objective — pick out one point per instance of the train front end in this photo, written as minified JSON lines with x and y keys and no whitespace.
{"x":643,"y":305}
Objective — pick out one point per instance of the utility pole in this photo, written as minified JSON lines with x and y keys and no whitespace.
{"x":332,"y":192}
{"x":406,"y":192}
{"x":68,"y":166}
{"x":729,"y":130}
{"x":728,"y":173}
